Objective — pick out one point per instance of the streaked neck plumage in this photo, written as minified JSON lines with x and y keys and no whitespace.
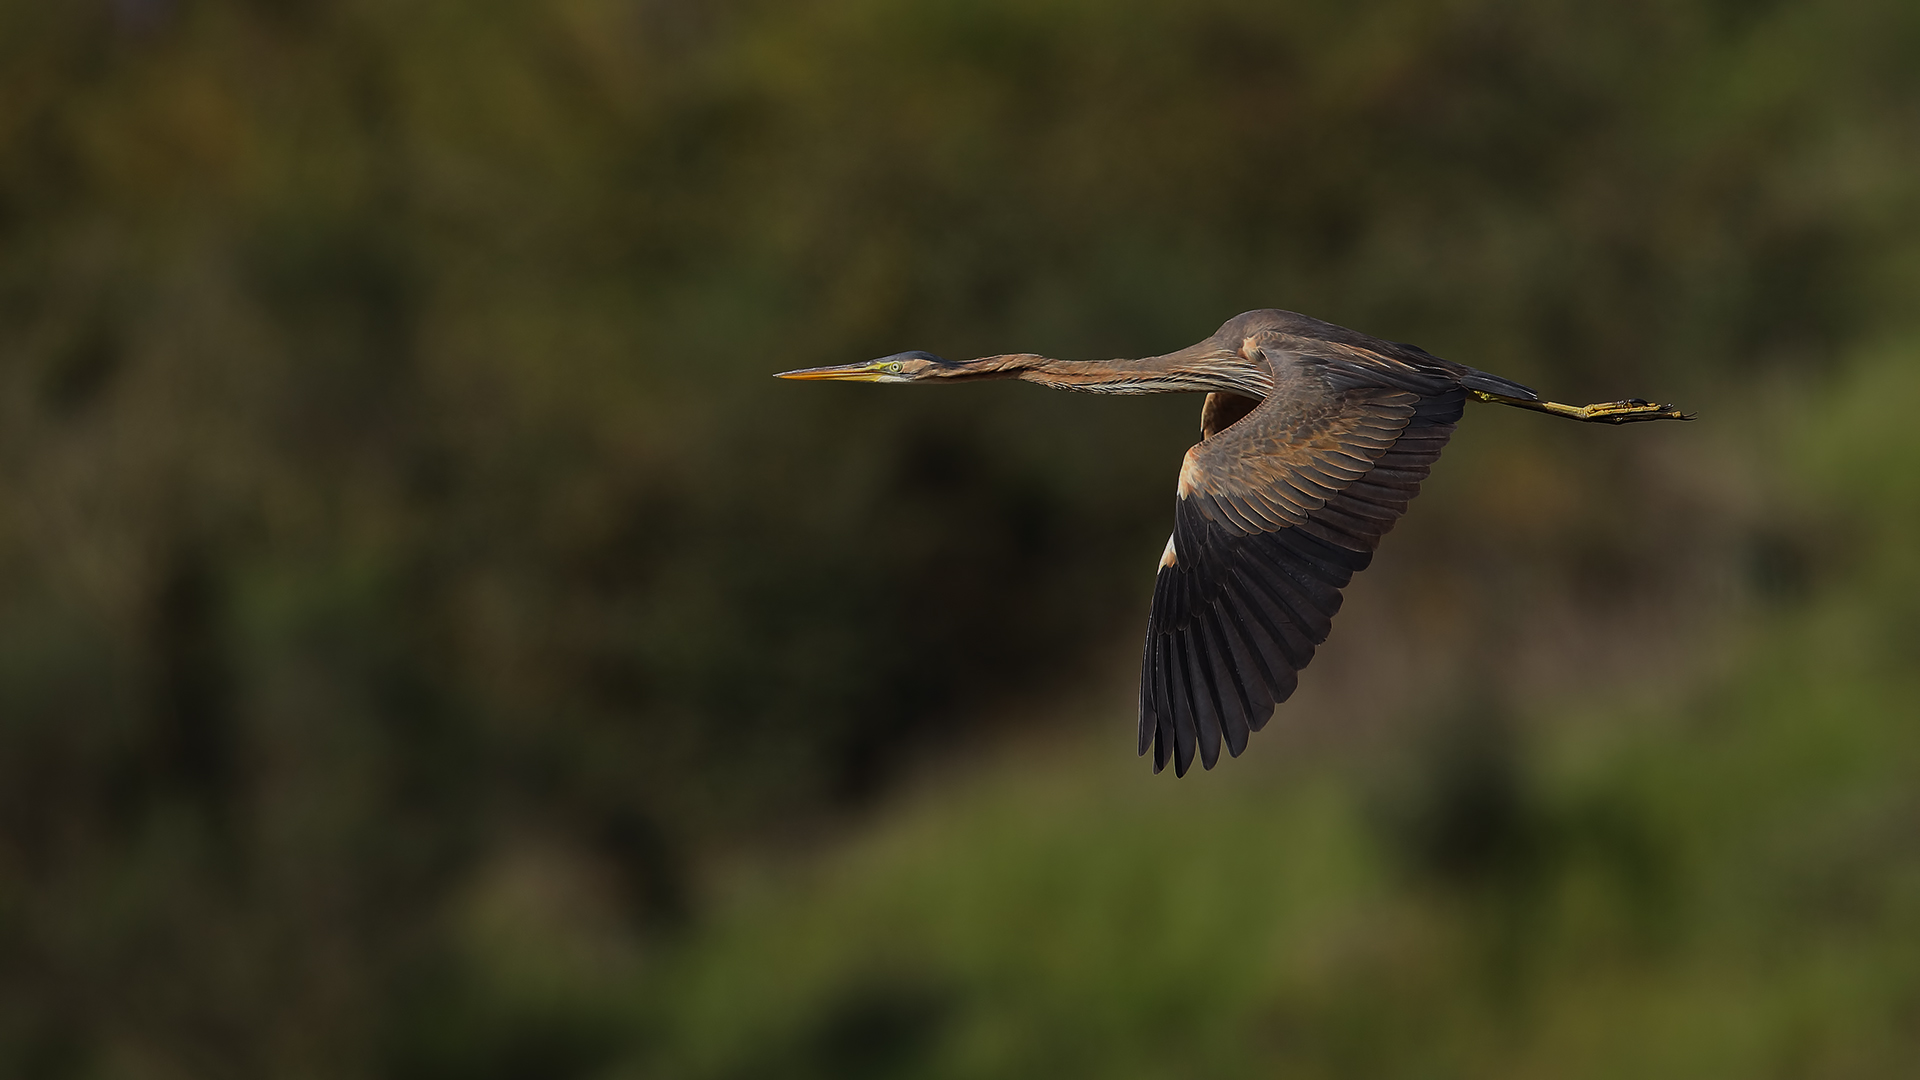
{"x":1189,"y":370}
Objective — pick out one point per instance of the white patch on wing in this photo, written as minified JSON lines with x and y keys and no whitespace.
{"x":1168,"y":557}
{"x":1189,"y":475}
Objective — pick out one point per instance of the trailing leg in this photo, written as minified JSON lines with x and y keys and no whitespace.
{"x":1610,"y":412}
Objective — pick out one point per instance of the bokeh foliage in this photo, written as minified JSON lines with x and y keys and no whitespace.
{"x":1723,"y":884}
{"x":404,"y":547}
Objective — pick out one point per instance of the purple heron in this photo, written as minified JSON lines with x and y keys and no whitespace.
{"x":1313,"y":439}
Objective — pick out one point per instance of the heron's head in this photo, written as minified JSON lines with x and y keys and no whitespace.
{"x":898,"y":368}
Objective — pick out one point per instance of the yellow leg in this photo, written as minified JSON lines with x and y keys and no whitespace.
{"x":1610,"y":412}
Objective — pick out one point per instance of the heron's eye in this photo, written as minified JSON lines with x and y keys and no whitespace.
{"x":894,"y":368}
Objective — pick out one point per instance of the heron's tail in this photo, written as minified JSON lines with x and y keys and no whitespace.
{"x":1494,"y":384}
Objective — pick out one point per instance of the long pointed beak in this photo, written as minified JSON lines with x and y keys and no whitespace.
{"x":871,"y":371}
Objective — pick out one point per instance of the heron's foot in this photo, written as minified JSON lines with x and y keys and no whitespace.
{"x":1629,"y":411}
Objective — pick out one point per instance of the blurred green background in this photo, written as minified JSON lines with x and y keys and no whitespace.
{"x":431,"y":646}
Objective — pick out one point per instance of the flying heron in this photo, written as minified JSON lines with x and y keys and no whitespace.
{"x":1313,"y":439}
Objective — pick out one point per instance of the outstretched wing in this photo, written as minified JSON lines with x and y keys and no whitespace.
{"x":1276,"y":512}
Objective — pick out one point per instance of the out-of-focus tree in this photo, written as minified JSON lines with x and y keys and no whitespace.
{"x":391,"y":478}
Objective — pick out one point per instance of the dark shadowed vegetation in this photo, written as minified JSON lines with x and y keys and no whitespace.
{"x":431,"y":646}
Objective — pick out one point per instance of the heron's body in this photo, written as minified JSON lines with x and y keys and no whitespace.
{"x":1313,"y":440}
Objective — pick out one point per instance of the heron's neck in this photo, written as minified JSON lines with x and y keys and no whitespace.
{"x":1173,"y":373}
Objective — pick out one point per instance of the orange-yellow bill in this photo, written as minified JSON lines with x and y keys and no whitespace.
{"x":871,"y":371}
